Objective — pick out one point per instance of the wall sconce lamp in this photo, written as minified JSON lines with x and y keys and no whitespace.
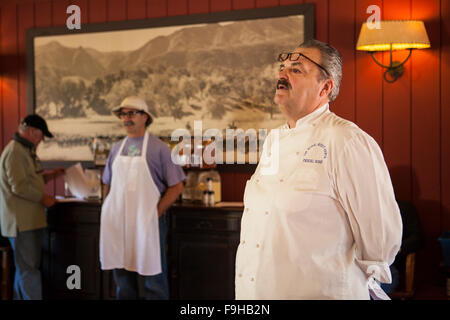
{"x":393,"y":35}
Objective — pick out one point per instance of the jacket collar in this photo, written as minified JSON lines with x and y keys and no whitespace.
{"x":26,"y":143}
{"x":310,"y":118}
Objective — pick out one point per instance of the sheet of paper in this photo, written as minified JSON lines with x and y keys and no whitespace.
{"x":77,"y":181}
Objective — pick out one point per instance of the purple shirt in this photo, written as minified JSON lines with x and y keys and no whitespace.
{"x":164,"y":172}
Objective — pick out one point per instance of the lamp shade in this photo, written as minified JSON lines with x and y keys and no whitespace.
{"x":402,"y":34}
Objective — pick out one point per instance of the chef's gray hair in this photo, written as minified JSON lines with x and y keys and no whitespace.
{"x":331,"y":60}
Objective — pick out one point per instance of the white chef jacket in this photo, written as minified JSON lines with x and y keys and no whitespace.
{"x":324,"y":221}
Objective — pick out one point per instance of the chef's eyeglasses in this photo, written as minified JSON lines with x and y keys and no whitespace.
{"x":294,"y":56}
{"x":129,"y":114}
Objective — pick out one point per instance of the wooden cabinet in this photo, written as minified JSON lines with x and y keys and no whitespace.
{"x":202,"y":250}
{"x":202,"y":243}
{"x":72,"y":239}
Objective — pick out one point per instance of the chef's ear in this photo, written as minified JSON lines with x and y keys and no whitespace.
{"x":327,"y":86}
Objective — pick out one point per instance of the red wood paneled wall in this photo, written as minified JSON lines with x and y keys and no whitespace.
{"x":410,"y":118}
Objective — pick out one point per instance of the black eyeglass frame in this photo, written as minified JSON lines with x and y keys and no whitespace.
{"x":289,"y":56}
{"x":129,"y":114}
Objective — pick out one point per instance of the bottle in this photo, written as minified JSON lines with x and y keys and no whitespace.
{"x":211,"y":180}
{"x":205,"y":198}
{"x":189,"y":191}
{"x":211,"y":200}
{"x":209,"y":184}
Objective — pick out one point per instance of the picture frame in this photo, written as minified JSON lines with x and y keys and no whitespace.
{"x":220,"y":68}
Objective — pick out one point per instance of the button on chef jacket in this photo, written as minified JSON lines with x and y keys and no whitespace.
{"x":320,"y":217}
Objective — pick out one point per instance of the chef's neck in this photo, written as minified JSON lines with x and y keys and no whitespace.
{"x":294,"y":120}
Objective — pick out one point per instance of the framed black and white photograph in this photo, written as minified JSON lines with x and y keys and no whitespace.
{"x":219,"y":68}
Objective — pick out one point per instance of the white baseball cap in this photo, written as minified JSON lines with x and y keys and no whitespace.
{"x":134,"y":102}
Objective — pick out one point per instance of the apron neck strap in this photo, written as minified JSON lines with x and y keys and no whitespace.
{"x":121,"y":147}
{"x":144,"y":144}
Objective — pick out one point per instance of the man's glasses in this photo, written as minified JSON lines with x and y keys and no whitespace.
{"x":294,"y":56}
{"x":129,"y":114}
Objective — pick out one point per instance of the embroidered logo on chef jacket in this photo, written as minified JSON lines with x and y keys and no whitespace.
{"x":315,"y":153}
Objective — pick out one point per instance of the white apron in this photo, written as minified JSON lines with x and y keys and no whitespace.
{"x":129,"y":233}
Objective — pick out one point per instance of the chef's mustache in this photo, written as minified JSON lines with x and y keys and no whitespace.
{"x":128,"y":123}
{"x":283,"y":82}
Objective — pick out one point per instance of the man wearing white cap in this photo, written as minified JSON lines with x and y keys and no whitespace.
{"x":142,"y":183}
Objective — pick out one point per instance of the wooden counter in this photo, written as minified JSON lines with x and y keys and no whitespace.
{"x":202,"y":251}
{"x":202,"y":243}
{"x":72,"y":238}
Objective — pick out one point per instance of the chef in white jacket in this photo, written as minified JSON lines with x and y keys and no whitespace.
{"x":320,"y":218}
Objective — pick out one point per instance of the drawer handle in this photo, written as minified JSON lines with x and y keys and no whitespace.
{"x":203,"y":225}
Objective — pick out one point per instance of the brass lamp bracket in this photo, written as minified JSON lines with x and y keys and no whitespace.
{"x":394,"y":69}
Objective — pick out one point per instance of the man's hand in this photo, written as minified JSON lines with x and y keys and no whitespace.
{"x":48,"y":200}
{"x":169,"y":197}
